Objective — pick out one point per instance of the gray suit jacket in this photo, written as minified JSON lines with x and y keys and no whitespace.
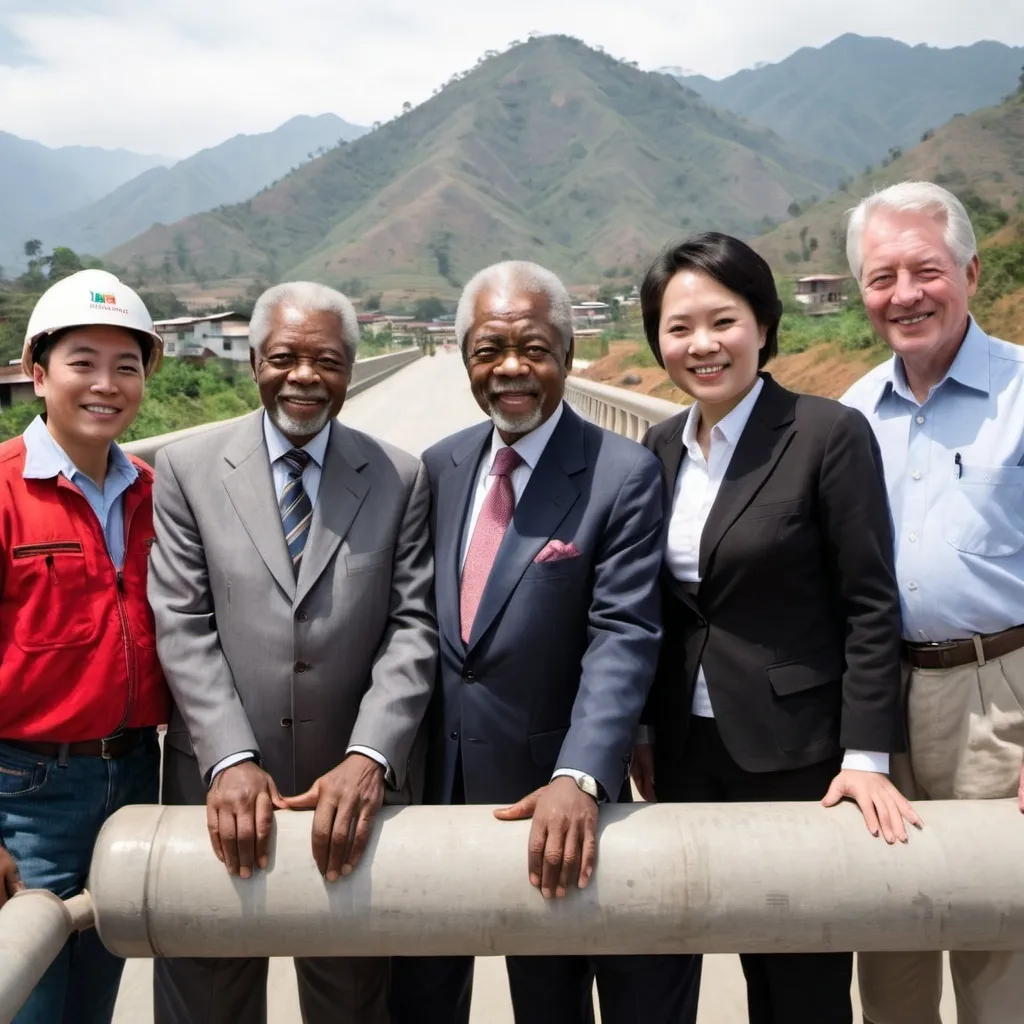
{"x":294,"y":669}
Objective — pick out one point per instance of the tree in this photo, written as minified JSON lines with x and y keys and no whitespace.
{"x":63,"y":262}
{"x":793,"y":209}
{"x":181,"y":251}
{"x":1020,"y":81}
{"x":406,"y":107}
{"x":428,"y":309}
{"x":33,"y":247}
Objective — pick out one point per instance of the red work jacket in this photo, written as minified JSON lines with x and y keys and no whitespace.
{"x":77,"y":641}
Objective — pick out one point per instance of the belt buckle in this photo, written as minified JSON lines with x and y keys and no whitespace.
{"x":106,"y":751}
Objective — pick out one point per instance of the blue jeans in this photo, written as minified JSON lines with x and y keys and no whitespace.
{"x":50,"y":815}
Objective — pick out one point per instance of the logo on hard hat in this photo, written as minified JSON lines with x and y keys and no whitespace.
{"x":102,"y":298}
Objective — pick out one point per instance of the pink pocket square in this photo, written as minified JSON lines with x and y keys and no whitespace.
{"x":556,"y":550}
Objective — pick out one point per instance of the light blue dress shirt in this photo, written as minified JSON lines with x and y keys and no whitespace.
{"x":954,"y":469}
{"x":277,"y":446}
{"x":45,"y":459}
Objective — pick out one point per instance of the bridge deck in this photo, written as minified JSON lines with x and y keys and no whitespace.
{"x":419,"y":405}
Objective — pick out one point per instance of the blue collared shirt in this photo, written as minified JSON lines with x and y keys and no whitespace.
{"x":279,"y":445}
{"x":954,"y":468}
{"x":45,"y":459}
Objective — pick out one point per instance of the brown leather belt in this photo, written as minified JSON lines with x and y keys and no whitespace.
{"x":110,"y":749}
{"x":954,"y":653}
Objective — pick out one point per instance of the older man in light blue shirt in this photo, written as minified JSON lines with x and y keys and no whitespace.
{"x":948,"y":412}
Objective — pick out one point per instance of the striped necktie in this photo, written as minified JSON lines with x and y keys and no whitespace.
{"x":296,"y":508}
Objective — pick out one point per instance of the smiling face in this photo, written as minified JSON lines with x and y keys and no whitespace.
{"x":710,"y":341}
{"x":92,"y":385}
{"x":302,"y":371}
{"x":915,"y":294}
{"x":517,"y":360}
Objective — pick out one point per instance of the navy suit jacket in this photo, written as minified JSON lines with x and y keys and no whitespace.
{"x":562,"y":653}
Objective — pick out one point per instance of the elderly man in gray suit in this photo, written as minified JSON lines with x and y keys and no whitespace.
{"x":291,"y":582}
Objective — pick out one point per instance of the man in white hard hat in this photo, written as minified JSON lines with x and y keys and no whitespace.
{"x":81,"y":690}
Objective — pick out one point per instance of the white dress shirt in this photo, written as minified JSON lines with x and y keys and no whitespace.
{"x":697,"y":486}
{"x":530,"y":448}
{"x":277,"y":447}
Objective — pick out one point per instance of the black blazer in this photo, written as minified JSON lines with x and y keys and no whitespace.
{"x":797,"y":617}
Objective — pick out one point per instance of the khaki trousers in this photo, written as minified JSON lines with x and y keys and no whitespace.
{"x":966,"y":741}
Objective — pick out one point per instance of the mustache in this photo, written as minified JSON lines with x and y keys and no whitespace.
{"x":306,"y":396}
{"x":513,"y":389}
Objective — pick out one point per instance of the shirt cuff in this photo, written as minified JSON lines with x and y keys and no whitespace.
{"x":866,"y":761}
{"x":231,"y":760}
{"x":644,"y":734}
{"x":375,"y":755}
{"x":582,"y":780}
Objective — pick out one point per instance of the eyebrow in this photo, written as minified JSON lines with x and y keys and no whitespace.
{"x":730,"y":307}
{"x":86,"y":350}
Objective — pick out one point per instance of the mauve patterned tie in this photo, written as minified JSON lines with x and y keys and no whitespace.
{"x":495,"y":515}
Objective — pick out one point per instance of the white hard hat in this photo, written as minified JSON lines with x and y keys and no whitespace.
{"x":85,"y":299}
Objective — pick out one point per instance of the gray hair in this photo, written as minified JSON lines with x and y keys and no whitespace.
{"x":517,"y":275}
{"x":306,"y":297}
{"x":913,"y":197}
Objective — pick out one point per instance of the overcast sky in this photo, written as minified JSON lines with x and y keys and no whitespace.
{"x":173,"y":76}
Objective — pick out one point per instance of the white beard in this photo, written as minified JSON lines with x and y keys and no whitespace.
{"x":298,"y":428}
{"x":520,"y":425}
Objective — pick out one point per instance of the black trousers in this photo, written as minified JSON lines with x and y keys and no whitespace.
{"x":658,"y":989}
{"x":782,"y":988}
{"x":552,"y":989}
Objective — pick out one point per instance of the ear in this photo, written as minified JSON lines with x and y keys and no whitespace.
{"x":252,"y":363}
{"x":570,"y":352}
{"x":39,"y":380}
{"x":973,"y":273}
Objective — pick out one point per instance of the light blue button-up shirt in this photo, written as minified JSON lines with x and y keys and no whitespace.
{"x":278,"y":445}
{"x":45,"y":459}
{"x":954,"y":468}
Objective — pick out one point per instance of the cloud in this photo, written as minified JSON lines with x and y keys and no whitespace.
{"x":173,"y":76}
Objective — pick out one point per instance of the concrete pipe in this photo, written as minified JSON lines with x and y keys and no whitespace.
{"x":34,"y":926}
{"x":670,"y":878}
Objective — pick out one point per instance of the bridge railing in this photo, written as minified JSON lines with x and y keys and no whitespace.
{"x":365,"y":373}
{"x":617,"y":409}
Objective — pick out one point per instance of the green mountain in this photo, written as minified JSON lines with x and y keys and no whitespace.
{"x":549,"y":151}
{"x":856,"y":98}
{"x":227,"y":173}
{"x":980,"y":157}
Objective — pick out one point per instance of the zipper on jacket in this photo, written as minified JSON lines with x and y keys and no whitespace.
{"x":122,"y":609}
{"x":126,"y":629}
{"x":51,"y":566}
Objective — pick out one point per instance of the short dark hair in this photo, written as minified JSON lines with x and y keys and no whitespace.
{"x":730,"y":262}
{"x":45,"y":344}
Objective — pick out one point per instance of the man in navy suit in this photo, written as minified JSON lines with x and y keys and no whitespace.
{"x":548,"y":539}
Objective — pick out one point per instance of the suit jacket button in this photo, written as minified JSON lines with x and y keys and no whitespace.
{"x":302,"y":616}
{"x":286,"y":722}
{"x":454,"y":736}
{"x":469,"y":677}
{"x":300,"y":666}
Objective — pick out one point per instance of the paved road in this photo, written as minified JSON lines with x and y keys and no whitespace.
{"x":419,"y":405}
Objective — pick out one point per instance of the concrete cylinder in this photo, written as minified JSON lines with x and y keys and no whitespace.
{"x":34,"y":926}
{"x":670,"y":878}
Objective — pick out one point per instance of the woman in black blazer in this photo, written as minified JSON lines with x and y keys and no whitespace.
{"x":779,"y":677}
